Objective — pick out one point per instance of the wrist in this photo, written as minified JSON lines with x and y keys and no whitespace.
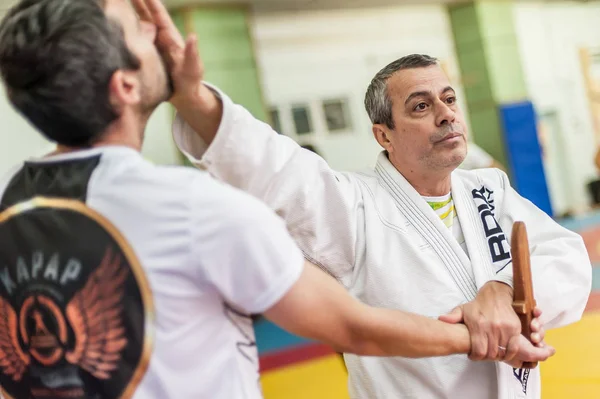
{"x":460,"y":340}
{"x":199,"y":99}
{"x":501,"y":288}
{"x":202,"y":109}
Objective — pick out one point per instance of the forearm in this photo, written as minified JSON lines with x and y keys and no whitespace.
{"x":316,"y":202}
{"x":233,"y":146}
{"x":385,"y":332}
{"x":317,"y":307}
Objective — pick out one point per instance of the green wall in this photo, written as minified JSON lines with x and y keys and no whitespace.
{"x":226,"y":48}
{"x":490,"y":63}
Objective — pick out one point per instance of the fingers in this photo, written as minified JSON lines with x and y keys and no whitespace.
{"x":191,"y":47}
{"x":535,"y":325}
{"x":160,"y":15}
{"x":491,"y":320}
{"x":192,"y":63}
{"x":530,"y":353}
{"x":537,"y":312}
{"x":506,"y":328}
{"x":512,"y":349}
{"x":475,"y":322}
{"x":168,"y":37}
{"x":493,"y":345}
{"x":479,"y":344}
{"x":142,"y":10}
{"x":455,"y":316}
{"x":538,"y":337}
{"x":542,"y":335}
{"x":538,"y":332}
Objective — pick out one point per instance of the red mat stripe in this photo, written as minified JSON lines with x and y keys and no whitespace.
{"x":304,"y":353}
{"x":593,"y":304}
{"x":294,"y":355}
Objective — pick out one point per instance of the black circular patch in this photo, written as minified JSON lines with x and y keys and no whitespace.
{"x":74,"y":305}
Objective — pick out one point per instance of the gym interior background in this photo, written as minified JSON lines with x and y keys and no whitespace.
{"x":528,"y":78}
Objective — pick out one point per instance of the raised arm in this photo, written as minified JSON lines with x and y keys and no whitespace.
{"x":318,"y":205}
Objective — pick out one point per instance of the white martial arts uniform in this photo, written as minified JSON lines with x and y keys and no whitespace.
{"x":199,"y":256}
{"x":380,"y":239}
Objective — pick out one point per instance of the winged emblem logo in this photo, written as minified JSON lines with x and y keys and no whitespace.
{"x":40,"y":330}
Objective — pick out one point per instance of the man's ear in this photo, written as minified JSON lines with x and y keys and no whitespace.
{"x":382,"y":134}
{"x":124,"y":89}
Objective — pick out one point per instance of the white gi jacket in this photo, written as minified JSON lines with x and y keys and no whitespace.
{"x":376,"y":235}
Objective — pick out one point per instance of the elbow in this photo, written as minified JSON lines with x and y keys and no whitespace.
{"x":573,"y":297}
{"x":358,"y":346}
{"x":582,"y":287}
{"x":579,"y":285}
{"x":348,"y":341}
{"x":351,"y":339}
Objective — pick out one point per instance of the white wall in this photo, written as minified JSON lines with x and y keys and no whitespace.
{"x":159,"y":146}
{"x":550,"y":35}
{"x":312,"y":56}
{"x":19,"y":140}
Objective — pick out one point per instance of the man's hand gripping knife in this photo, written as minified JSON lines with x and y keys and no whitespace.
{"x":504,"y":322}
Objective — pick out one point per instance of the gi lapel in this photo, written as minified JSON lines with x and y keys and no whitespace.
{"x":489,"y":250}
{"x":472,"y":228}
{"x":492,"y":242}
{"x":428,"y":224}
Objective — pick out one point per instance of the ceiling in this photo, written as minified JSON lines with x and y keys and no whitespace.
{"x":278,"y":5}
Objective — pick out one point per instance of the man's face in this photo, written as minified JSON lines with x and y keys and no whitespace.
{"x":430,"y":132}
{"x":140,"y":39}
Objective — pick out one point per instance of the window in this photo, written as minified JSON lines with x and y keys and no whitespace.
{"x":275,"y":121}
{"x":302,"y":120}
{"x":336,"y":114}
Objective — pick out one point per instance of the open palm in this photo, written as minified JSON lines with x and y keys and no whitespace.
{"x":182,"y":57}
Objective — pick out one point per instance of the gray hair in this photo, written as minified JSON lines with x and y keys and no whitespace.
{"x":377,"y":100}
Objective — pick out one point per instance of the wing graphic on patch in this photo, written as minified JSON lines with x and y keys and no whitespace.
{"x":95,"y":316}
{"x":13,"y":360}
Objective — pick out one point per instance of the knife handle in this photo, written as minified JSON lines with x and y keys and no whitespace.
{"x":523,"y":298}
{"x":525,"y":317}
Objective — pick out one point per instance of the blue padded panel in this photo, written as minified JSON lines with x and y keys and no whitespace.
{"x":524,"y":153}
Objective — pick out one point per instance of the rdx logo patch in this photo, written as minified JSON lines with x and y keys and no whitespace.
{"x":497,"y":242}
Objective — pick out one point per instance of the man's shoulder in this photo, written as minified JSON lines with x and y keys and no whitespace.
{"x":198,"y":185}
{"x":206,"y":191}
{"x":361,"y":178}
{"x":177,"y":174}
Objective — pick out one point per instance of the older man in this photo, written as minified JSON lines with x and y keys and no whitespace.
{"x":414,"y":234}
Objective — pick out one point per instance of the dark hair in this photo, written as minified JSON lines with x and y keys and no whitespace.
{"x":56,"y":60}
{"x":377,"y":100}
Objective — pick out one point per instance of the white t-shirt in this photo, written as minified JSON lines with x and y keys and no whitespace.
{"x":146,"y":289}
{"x":444,"y":207}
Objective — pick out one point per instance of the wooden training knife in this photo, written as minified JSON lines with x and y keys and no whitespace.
{"x":523,"y":300}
